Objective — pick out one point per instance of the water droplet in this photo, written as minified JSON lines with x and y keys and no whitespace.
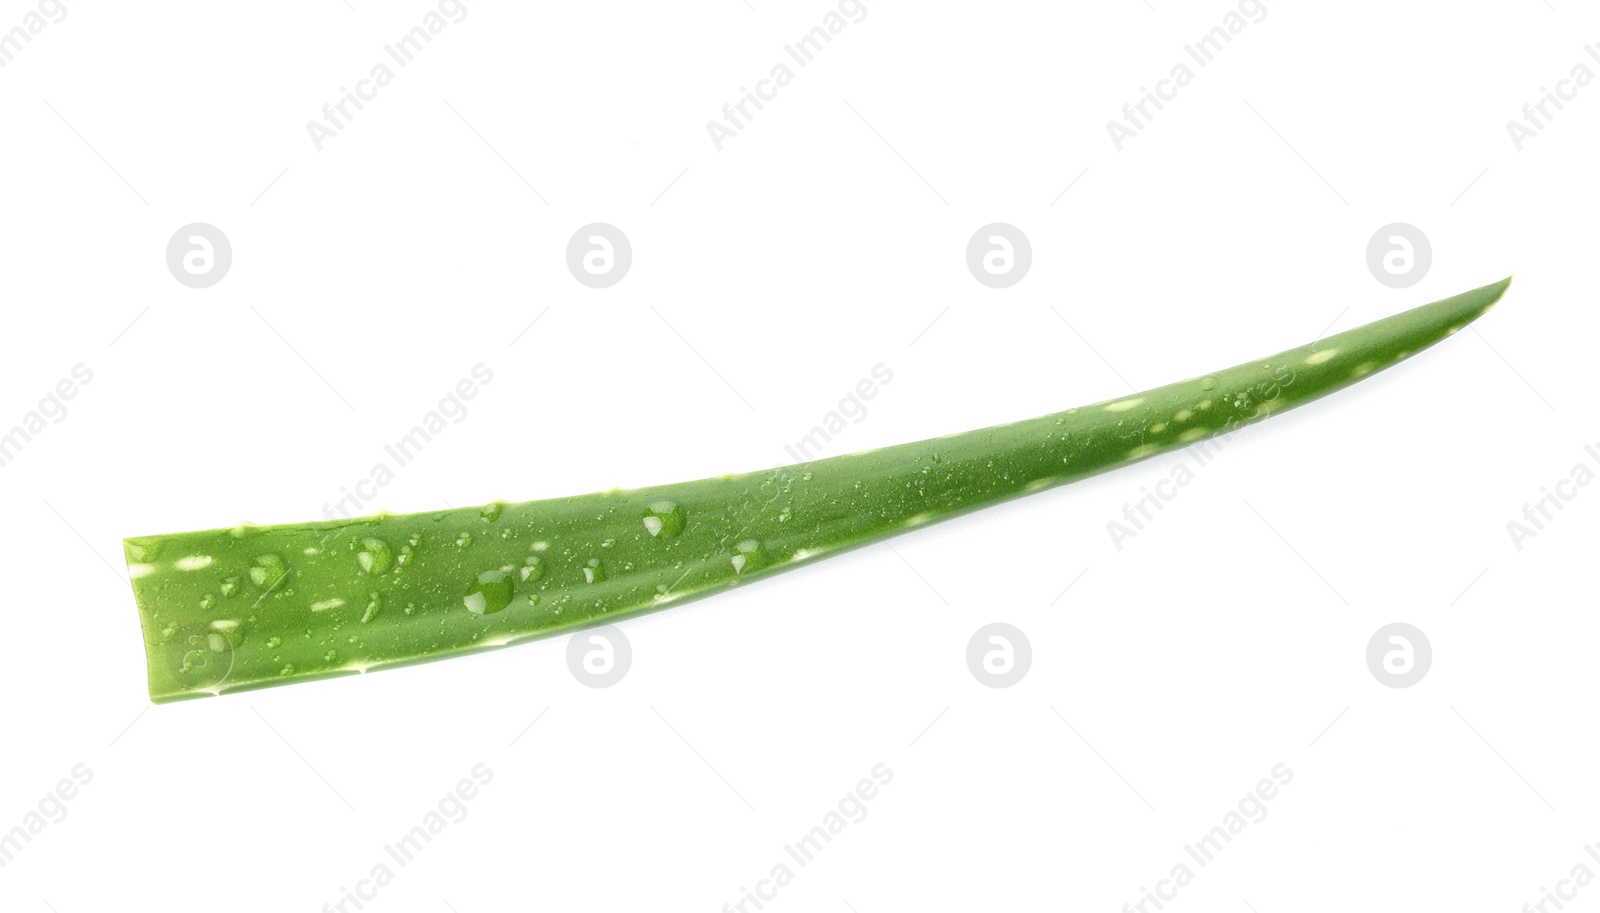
{"x":749,"y":556}
{"x":331,"y":656}
{"x":463,"y":540}
{"x":1208,"y":383}
{"x":594,"y":571}
{"x":230,"y":586}
{"x":490,"y":593}
{"x":208,"y":601}
{"x":410,"y":609}
{"x":374,"y":606}
{"x":287,"y":670}
{"x":532,"y":568}
{"x":375,"y":556}
{"x":664,"y":519}
{"x":806,"y":477}
{"x":491,"y":512}
{"x":267,"y":570}
{"x":225,"y":634}
{"x":274,"y":642}
{"x":142,"y":551}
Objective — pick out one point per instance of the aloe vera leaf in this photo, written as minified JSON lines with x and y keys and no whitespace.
{"x":233,"y":609}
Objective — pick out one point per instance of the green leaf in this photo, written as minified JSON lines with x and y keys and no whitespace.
{"x":233,"y":609}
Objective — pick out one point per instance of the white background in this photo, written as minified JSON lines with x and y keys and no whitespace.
{"x":768,"y":278}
